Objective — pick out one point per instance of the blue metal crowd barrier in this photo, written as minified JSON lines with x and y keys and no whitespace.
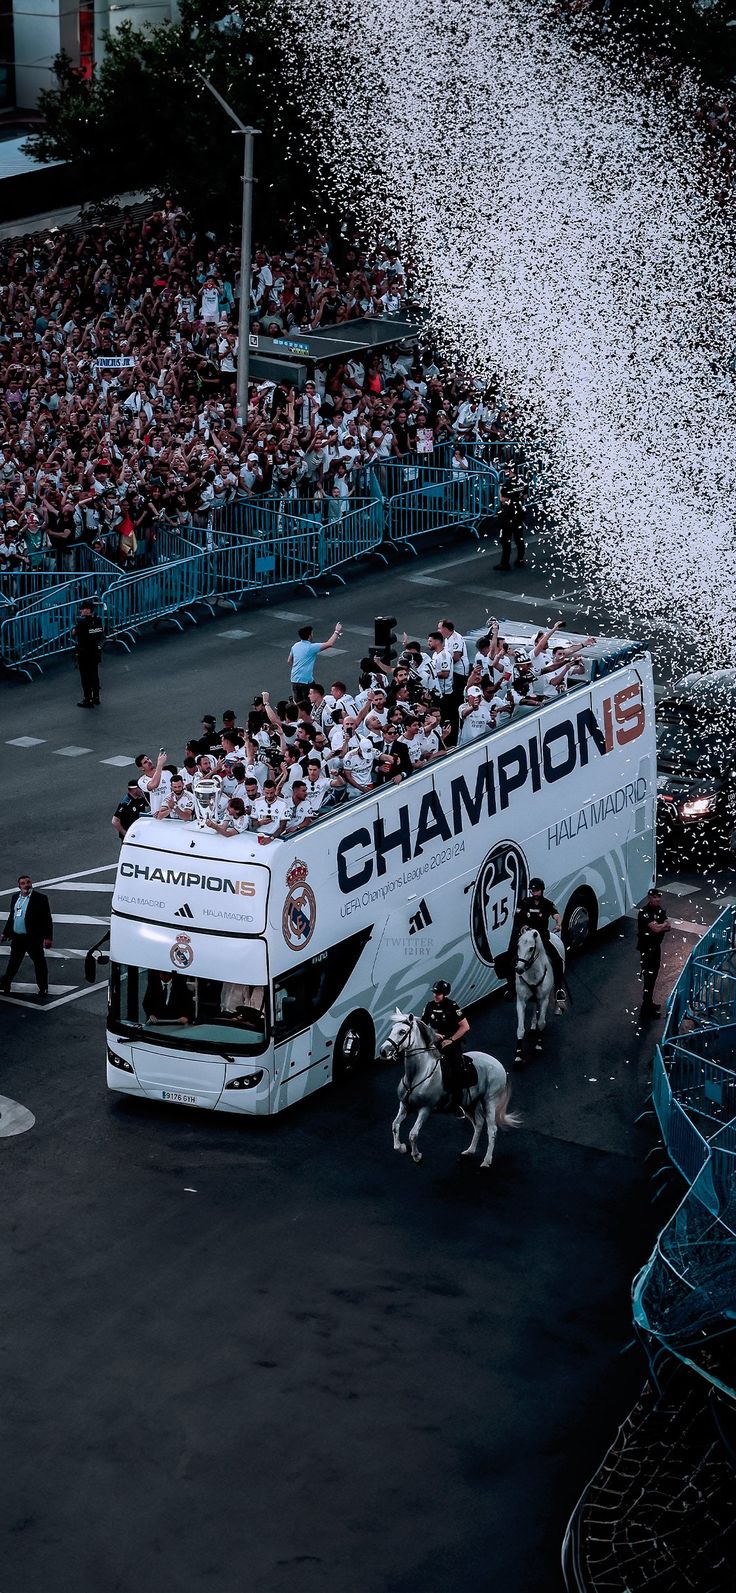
{"x":686,"y":1289}
{"x":244,"y":547}
{"x":148,"y":596}
{"x":35,"y":634}
{"x":438,"y":501}
{"x":86,"y":572}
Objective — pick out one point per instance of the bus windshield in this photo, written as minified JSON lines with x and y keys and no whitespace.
{"x":199,"y":1014}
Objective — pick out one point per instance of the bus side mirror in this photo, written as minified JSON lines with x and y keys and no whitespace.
{"x":90,"y":968}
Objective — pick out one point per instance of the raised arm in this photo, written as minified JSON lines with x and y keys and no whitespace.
{"x":335,"y":637}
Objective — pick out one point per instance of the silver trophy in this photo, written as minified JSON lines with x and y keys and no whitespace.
{"x":206,"y":792}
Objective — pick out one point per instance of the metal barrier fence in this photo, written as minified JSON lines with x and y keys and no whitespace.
{"x":683,"y":1298}
{"x":88,"y":572}
{"x":41,"y":632}
{"x":153,"y":595}
{"x":245,"y":547}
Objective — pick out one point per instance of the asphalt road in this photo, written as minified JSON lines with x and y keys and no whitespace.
{"x":274,"y":1356}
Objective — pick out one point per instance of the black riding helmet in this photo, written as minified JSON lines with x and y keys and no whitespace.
{"x":441,"y":988}
{"x":536,"y":885}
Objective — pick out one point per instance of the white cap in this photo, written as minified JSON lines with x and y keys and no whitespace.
{"x":474,"y":691}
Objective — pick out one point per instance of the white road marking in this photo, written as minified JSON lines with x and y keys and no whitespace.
{"x":70,"y":752}
{"x":14,"y":1118}
{"x":552,"y":604}
{"x":89,"y":885}
{"x":23,"y":987}
{"x":359,"y":630}
{"x":61,"y":1001}
{"x":26,"y":741}
{"x":678,"y":889}
{"x":424,"y":580}
{"x":235,"y":633}
{"x":59,"y":953}
{"x":80,"y":918}
{"x":59,"y":879}
{"x":289,"y":614}
{"x":122,"y":760}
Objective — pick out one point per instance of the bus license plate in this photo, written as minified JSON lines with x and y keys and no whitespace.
{"x":179,"y":1097}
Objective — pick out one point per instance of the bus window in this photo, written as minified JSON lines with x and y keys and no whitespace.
{"x":197,"y":1013}
{"x":304,"y":994}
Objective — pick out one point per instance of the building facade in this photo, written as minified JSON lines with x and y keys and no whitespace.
{"x":33,"y":32}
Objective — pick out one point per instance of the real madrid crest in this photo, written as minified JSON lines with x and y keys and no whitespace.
{"x":182,"y":952}
{"x":300,"y":908}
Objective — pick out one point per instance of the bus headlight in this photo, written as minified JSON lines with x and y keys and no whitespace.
{"x":699,"y":807}
{"x":246,"y":1081}
{"x":119,"y":1062}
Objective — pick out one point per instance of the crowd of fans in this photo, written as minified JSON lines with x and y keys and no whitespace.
{"x":284,"y":765}
{"x":118,"y":411}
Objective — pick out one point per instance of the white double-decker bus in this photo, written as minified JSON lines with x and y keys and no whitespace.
{"x":289,"y":958}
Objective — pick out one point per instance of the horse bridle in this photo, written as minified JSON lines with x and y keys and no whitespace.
{"x":521,"y":965}
{"x":413,"y":1050}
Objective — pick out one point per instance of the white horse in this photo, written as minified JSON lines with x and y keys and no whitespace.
{"x":534,"y":987}
{"x":421,"y":1086}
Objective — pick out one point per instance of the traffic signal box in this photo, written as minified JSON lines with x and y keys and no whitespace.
{"x":384,"y":638}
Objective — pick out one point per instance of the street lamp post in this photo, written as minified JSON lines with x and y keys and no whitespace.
{"x":249,"y":133}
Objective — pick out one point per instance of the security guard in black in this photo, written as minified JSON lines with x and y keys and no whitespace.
{"x":445,"y":1017}
{"x":89,"y":633}
{"x":130,"y":809}
{"x":651,"y":927}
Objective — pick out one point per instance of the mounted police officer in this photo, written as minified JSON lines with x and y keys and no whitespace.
{"x":444,"y":1015}
{"x":536,"y":911}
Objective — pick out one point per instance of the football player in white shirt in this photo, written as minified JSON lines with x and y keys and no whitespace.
{"x":302,"y":812}
{"x":357,"y":766}
{"x":236,"y":819}
{"x":271,"y":813}
{"x":428,"y":737}
{"x":410,"y":738}
{"x":455,"y":646}
{"x":317,"y":784}
{"x":440,"y":664}
{"x":477,"y":717}
{"x":179,"y":804}
{"x":339,"y":697}
{"x":155,"y":780}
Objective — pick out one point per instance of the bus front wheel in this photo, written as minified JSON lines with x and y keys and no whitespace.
{"x":355,"y":1046}
{"x":580,"y":919}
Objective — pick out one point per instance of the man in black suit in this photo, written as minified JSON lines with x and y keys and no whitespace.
{"x":29,"y":929}
{"x":168,"y":999}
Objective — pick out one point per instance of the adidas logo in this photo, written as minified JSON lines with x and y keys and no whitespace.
{"x":420,"y":919}
{"x":184,"y":912}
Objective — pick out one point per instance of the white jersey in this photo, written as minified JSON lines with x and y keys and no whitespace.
{"x":160,"y":793}
{"x":269,"y":815}
{"x":361,"y":769}
{"x":454,"y":644}
{"x":477,"y":723}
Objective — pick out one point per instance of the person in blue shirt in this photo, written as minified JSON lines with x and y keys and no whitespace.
{"x":302,"y":656}
{"x":30,"y":930}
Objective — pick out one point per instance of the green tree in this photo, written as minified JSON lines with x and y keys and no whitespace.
{"x":146,"y":121}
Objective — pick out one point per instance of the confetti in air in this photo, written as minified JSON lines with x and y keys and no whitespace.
{"x":566,"y":235}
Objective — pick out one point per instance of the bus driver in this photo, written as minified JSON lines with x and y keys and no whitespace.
{"x":451,"y":1025}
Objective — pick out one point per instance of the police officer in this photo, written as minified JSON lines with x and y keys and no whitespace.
{"x":652,"y":926}
{"x":536,"y":911}
{"x":445,"y":1016}
{"x":130,"y":809}
{"x":511,"y":519}
{"x":89,"y":634}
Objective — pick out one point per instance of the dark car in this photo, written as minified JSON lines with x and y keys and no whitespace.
{"x":696,"y":761}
